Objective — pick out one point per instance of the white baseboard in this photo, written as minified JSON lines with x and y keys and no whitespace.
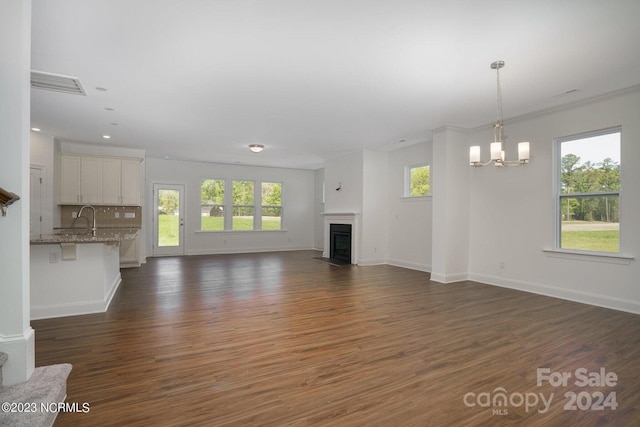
{"x":449,"y":278}
{"x":112,"y":291}
{"x":21,"y":361}
{"x":371,"y":261}
{"x":599,"y":300}
{"x":410,"y":265}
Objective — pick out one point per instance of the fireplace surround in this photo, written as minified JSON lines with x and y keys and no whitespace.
{"x":341,"y":218}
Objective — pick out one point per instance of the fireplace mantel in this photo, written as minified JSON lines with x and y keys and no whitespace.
{"x":351,"y":218}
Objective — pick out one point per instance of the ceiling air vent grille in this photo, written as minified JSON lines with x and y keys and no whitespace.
{"x":56,"y":83}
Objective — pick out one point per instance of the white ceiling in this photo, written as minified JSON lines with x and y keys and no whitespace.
{"x":312,"y":79}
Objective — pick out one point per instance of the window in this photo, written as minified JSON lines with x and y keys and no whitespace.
{"x":249,"y":206}
{"x":588,"y":191}
{"x":243,"y":207}
{"x":212,"y":205}
{"x":417,"y":181}
{"x":271,"y":206}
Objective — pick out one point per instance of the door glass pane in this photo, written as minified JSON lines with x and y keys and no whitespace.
{"x":168,"y":218}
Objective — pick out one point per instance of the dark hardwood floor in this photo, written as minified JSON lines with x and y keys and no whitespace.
{"x":283,"y":339}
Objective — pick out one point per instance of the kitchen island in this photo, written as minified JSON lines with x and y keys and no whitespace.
{"x":75,"y":271}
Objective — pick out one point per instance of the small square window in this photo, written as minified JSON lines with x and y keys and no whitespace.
{"x":417,"y":181}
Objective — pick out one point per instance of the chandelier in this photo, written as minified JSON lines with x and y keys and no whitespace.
{"x":497,"y":152}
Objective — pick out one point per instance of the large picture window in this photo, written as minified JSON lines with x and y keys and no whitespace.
{"x":212,"y":205}
{"x":227,"y":205}
{"x":588,"y":191}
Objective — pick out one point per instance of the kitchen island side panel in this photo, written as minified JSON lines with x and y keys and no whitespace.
{"x":82,"y":285}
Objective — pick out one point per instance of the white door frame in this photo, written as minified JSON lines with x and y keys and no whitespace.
{"x":169,"y":250}
{"x":35,"y":203}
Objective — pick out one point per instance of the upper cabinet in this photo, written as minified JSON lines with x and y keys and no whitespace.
{"x":99,"y":180}
{"x":130,"y":194}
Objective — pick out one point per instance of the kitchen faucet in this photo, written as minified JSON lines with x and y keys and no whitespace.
{"x":94,"y":228}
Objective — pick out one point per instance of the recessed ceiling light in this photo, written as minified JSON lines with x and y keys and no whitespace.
{"x":256,"y":148}
{"x":106,"y":136}
{"x":36,"y":129}
{"x":115,"y":124}
{"x":101,"y":89}
{"x":109,"y":109}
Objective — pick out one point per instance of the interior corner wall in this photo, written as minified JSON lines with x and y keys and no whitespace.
{"x":409,"y":218}
{"x":512,"y":209}
{"x":373,"y":249}
{"x":450,"y":182}
{"x":16,"y":335}
{"x":318,"y":240}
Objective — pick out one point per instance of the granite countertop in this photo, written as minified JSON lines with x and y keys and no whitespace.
{"x":84,"y":235}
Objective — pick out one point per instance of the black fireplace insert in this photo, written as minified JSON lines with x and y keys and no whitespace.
{"x":340,"y":242}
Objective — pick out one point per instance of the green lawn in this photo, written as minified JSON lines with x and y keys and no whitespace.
{"x":216,"y":223}
{"x":169,"y":229}
{"x":597,"y":240}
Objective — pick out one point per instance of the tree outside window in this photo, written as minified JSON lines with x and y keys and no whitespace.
{"x":212,"y":205}
{"x":243,"y":206}
{"x":589,"y":191}
{"x":417,"y":181}
{"x":271,"y":213}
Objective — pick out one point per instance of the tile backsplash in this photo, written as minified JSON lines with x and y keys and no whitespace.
{"x":106,"y":216}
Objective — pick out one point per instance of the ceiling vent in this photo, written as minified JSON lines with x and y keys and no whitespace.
{"x":56,"y":83}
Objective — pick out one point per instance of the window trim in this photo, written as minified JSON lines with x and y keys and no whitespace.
{"x":557,"y":250}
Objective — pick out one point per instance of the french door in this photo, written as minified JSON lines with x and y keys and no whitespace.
{"x":168,"y":237}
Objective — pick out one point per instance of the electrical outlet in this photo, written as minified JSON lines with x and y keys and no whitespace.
{"x":129,"y":214}
{"x":74,"y":214}
{"x":501,"y":265}
{"x":117,"y":214}
{"x":53,"y":257}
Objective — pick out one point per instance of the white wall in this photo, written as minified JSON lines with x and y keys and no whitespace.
{"x":16,"y":335}
{"x":512,"y":210}
{"x":344,"y":172}
{"x":42,"y":155}
{"x":450,"y":180}
{"x":409,"y":218}
{"x":298,"y":206}
{"x":318,"y":242}
{"x":374,"y":208}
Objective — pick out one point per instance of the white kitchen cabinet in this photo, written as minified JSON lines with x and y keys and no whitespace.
{"x":99,"y":180}
{"x":91,"y":180}
{"x":69,"y":180}
{"x":130,"y":182}
{"x":111,"y":181}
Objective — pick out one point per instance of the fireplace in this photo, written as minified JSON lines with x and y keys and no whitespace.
{"x":340,"y":242}
{"x":341,"y":219}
